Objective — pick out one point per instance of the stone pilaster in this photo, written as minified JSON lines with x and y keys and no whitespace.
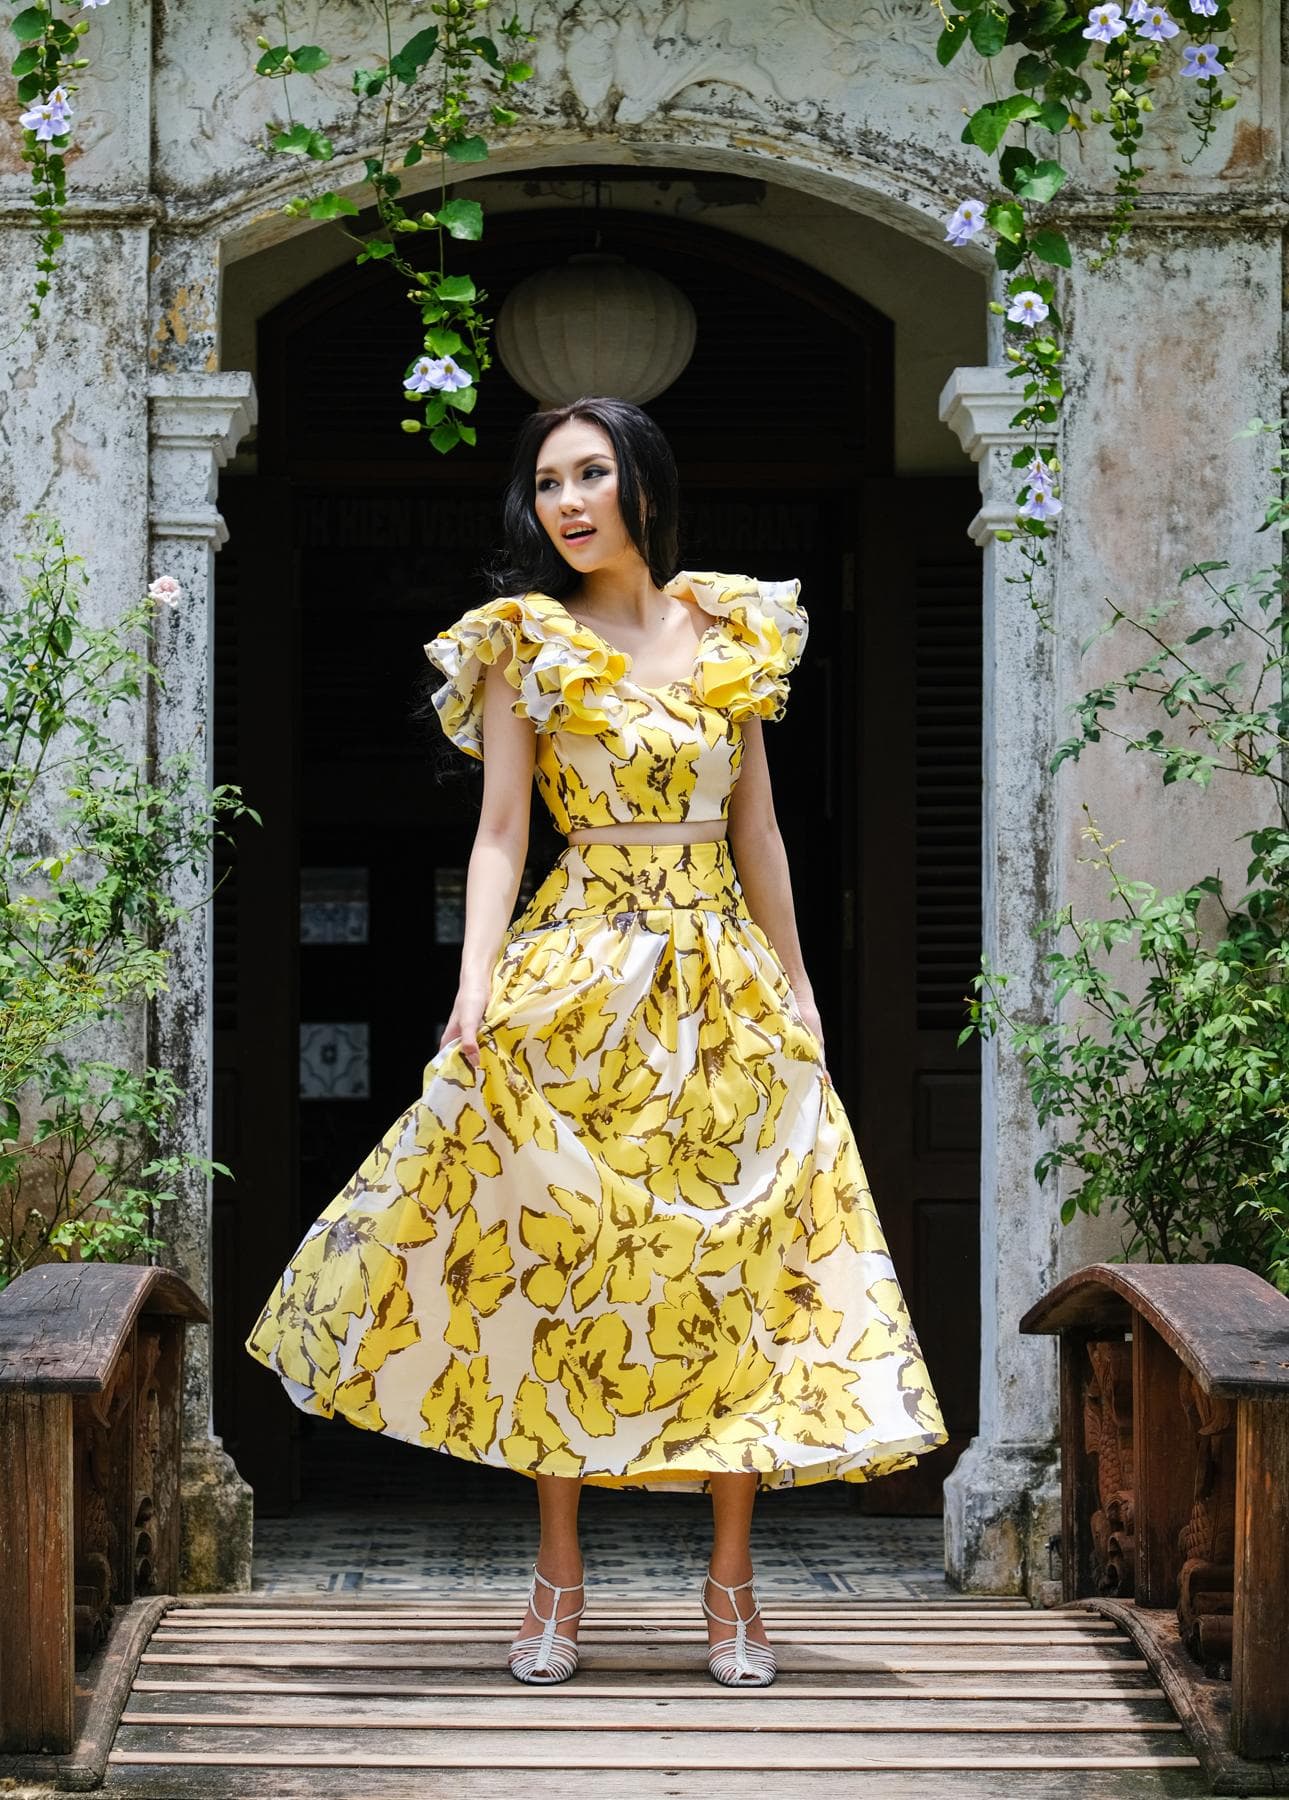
{"x":196,"y":422}
{"x":1002,"y":1500}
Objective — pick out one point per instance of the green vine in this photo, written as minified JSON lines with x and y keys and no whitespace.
{"x":43,"y":71}
{"x":1058,"y":41}
{"x":445,"y":376}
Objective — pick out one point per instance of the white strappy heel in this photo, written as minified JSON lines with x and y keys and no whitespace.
{"x":547,"y":1656}
{"x":738,"y":1661}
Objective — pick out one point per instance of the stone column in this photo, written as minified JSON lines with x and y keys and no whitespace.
{"x":1002,"y":1500}
{"x":196,"y":421}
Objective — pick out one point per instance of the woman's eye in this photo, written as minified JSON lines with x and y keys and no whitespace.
{"x":547,"y":480}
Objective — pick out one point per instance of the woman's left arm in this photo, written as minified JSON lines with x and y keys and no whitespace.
{"x":762,"y":865}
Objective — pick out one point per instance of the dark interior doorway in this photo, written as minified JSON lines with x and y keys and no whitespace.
{"x":337,"y":928}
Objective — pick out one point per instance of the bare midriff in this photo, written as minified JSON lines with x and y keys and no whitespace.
{"x":681,"y":831}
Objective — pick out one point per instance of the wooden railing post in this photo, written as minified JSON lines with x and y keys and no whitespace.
{"x":1164,"y":1487}
{"x":36,"y":1628}
{"x":91,"y":1379}
{"x":1078,"y":1493}
{"x":1260,"y":1650}
{"x":1195,"y":1559}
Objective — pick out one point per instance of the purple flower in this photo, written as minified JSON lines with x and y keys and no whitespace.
{"x":1137,"y":11}
{"x":46,"y":120}
{"x":965,"y":222}
{"x":1104,"y":24}
{"x":1027,"y":308}
{"x":435,"y":374}
{"x":89,"y":5}
{"x":1205,"y":8}
{"x":1157,"y":25}
{"x":1200,"y":59}
{"x":1042,"y":503}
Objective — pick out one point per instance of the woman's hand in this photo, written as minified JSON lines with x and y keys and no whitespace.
{"x":467,"y":1014}
{"x":810,"y":1016}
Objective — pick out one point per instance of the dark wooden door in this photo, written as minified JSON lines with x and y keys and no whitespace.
{"x":917,"y":602}
{"x":255,"y":725}
{"x":337,"y":938}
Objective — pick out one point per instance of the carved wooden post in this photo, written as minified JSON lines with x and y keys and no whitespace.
{"x":1164,"y":1447}
{"x":1260,"y":1651}
{"x":1209,"y":1342}
{"x":36,"y":1634}
{"x":91,"y":1370}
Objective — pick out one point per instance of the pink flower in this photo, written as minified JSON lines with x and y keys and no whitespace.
{"x":167,"y":590}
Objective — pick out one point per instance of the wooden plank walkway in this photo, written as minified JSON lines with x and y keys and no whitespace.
{"x":306,"y":1695}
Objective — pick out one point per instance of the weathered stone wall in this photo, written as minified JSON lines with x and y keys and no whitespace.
{"x":176,"y":242}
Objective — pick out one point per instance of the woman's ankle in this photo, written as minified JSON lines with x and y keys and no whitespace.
{"x":561,"y":1565}
{"x":730,"y":1568}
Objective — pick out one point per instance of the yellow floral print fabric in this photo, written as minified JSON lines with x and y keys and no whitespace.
{"x":637,"y":1244}
{"x":604,"y":753}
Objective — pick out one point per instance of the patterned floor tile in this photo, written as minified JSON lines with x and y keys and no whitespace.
{"x":402,"y":1521}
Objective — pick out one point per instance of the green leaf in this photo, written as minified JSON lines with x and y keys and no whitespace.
{"x":309,"y":58}
{"x":412,"y":155}
{"x":463,"y":399}
{"x":408,"y":62}
{"x":30,"y":23}
{"x":26,"y":61}
{"x":331,"y":206}
{"x":1051,"y":247}
{"x":467,"y":433}
{"x":272,"y":60}
{"x":484,"y":48}
{"x":503,"y":115}
{"x":987,"y":127}
{"x":456,"y":287}
{"x":294,"y":142}
{"x":467,"y":150}
{"x":29,"y":88}
{"x":951,"y":40}
{"x":988,"y":31}
{"x":1007,"y":219}
{"x":1040,"y":182}
{"x":444,"y":436}
{"x":1030,"y":72}
{"x":1053,"y":115}
{"x":1008,"y":256}
{"x":463,"y":218}
{"x":443,"y":342}
{"x":1012,"y":161}
{"x":375,"y":249}
{"x":367,"y":83}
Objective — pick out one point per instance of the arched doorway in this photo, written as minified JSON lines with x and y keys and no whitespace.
{"x":337,"y":935}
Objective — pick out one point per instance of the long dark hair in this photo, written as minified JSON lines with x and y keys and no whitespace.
{"x":528,"y":562}
{"x":648,"y":497}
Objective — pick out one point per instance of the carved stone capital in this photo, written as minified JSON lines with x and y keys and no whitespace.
{"x":978,"y":406}
{"x":195,"y":423}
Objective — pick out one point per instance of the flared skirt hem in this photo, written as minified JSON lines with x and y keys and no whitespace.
{"x":814,"y":1464}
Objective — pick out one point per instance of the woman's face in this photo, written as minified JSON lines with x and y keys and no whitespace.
{"x":576,"y":497}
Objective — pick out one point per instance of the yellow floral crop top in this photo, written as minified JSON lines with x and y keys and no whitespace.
{"x":609,"y":751}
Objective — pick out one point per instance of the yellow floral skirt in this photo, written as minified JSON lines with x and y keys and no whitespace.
{"x":637,"y":1244}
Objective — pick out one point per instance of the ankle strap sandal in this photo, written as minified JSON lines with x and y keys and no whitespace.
{"x":738,"y":1661}
{"x":546,"y":1656}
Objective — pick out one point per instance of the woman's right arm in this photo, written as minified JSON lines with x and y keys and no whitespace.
{"x":497,"y":859}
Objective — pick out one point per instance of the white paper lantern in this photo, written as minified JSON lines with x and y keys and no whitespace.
{"x":597,"y":324}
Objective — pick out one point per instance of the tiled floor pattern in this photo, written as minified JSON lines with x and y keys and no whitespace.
{"x":379,"y":1517}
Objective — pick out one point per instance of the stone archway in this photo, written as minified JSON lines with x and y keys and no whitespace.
{"x":999,"y":1503}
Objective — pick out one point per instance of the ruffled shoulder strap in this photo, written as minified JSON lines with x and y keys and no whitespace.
{"x":564,"y":676}
{"x":744,"y":661}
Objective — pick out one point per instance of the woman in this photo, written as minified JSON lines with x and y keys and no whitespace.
{"x":623,"y":1236}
